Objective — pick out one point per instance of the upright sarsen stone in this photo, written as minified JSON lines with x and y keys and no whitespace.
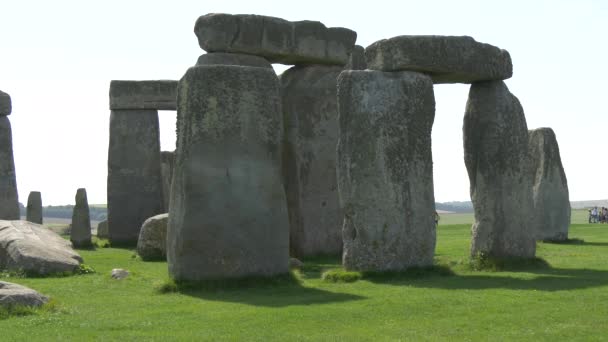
{"x":228,"y":215}
{"x":134,"y":176}
{"x":385,"y":169}
{"x":310,"y":113}
{"x":9,"y":205}
{"x":550,"y":186}
{"x":5,"y":104}
{"x":34,"y":207}
{"x":167,"y":161}
{"x":497,"y":160}
{"x":80,"y":233}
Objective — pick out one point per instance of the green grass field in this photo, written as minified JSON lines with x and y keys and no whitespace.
{"x":566,"y":301}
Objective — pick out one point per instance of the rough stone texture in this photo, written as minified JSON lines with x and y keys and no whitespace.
{"x":119,"y":273}
{"x":5,"y":104}
{"x":134,"y":176}
{"x":159,"y":95}
{"x":34,"y":207}
{"x":102,"y":229}
{"x":385,"y":169}
{"x":167,"y":162}
{"x":9,"y":204}
{"x":278,"y":40}
{"x":228,"y":213}
{"x":310,"y":113}
{"x":13,"y":294}
{"x":497,"y":160}
{"x":356,"y":60}
{"x":447,"y":59}
{"x":152,"y":243}
{"x":550,"y":187}
{"x":220,"y":58}
{"x":80,"y":233}
{"x":30,"y":247}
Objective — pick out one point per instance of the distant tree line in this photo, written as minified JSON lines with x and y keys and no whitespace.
{"x":65,"y":211}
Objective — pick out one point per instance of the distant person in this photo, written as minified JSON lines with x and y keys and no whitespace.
{"x":594,"y":215}
{"x":590,"y":215}
{"x":437,"y":218}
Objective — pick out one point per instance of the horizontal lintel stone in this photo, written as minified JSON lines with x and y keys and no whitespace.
{"x":159,"y":95}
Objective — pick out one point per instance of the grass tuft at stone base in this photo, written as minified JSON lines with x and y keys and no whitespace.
{"x":485,"y":263}
{"x":340,"y":276}
{"x":172,"y":286}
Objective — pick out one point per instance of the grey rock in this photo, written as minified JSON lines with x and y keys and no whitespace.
{"x":220,"y":58}
{"x":5,"y":104}
{"x":228,"y":214}
{"x":80,"y":232}
{"x":167,"y":163}
{"x":447,"y":59}
{"x":550,"y":186}
{"x":497,"y":160}
{"x":356,"y":60}
{"x":9,"y":203}
{"x":385,"y":169}
{"x":134,"y":176}
{"x":34,"y":249}
{"x":102,"y":229}
{"x":295,"y":263}
{"x":119,"y":273}
{"x":310,"y":113}
{"x":277,"y":40}
{"x":34,"y":207}
{"x":159,"y":95}
{"x":18,"y":295}
{"x":152,"y":243}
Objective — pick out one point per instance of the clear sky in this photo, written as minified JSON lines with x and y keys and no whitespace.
{"x":57,"y":59}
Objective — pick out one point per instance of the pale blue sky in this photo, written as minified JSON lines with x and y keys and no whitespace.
{"x":58,"y":57}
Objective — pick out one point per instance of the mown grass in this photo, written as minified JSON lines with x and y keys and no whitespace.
{"x":566,"y":299}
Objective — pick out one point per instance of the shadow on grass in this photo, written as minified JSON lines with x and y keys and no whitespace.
{"x":278,"y":291}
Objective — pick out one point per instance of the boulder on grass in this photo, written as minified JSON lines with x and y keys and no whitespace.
{"x":152,"y":243}
{"x":35,"y":250}
{"x":14,"y":294}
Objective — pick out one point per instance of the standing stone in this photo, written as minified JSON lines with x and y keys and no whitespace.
{"x":550,"y":187}
{"x":5,"y":104}
{"x":385,"y":169}
{"x":152,"y":243}
{"x":34,"y":207}
{"x":102,"y":229}
{"x":134,"y":176}
{"x":497,"y":160}
{"x":310,"y":113}
{"x":228,"y":214}
{"x":9,"y":204}
{"x":356,"y":60}
{"x":166,"y":171}
{"x":80,"y":234}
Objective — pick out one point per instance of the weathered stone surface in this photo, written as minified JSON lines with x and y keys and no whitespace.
{"x":152,"y":243}
{"x":447,"y":59}
{"x":310,"y":113}
{"x":34,"y":249}
{"x":550,"y":186}
{"x":497,"y":160}
{"x":167,"y":162}
{"x":277,"y":40}
{"x":9,"y":204}
{"x":34,"y":207}
{"x":5,"y":104}
{"x":80,"y":233}
{"x":220,"y":58}
{"x":356,"y":60}
{"x":134,"y":177}
{"x":102,"y":229}
{"x":159,"y":95}
{"x":385,"y":169}
{"x":13,"y":294}
{"x":119,"y":273}
{"x":228,"y":214}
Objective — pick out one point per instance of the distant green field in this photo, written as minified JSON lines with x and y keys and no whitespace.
{"x":578,"y":216}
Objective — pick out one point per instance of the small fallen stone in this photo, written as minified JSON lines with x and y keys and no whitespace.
{"x":295,"y":263}
{"x":119,"y":273}
{"x":14,"y":294}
